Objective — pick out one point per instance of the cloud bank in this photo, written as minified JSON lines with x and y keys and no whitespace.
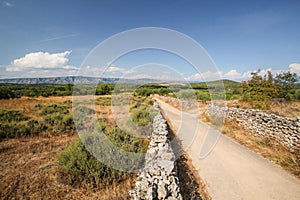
{"x":40,"y":60}
{"x":45,"y":64}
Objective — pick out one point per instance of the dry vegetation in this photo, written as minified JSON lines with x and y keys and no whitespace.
{"x":29,"y":167}
{"x":277,"y":106}
{"x":26,"y":105}
{"x":29,"y":170}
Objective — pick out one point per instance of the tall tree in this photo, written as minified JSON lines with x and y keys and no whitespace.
{"x":259,"y":90}
{"x":285,"y":83}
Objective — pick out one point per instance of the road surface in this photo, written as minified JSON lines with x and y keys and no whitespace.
{"x":229,"y":170}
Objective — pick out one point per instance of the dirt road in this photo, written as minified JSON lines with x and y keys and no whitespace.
{"x":229,"y":170}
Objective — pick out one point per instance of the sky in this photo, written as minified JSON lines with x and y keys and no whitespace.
{"x":57,"y":37}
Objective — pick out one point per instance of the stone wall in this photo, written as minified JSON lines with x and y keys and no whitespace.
{"x":284,"y":130}
{"x":158,"y":179}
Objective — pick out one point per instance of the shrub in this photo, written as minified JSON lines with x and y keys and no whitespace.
{"x":141,"y":117}
{"x":55,"y":108}
{"x":103,"y":101}
{"x":80,"y":167}
{"x":11,"y":115}
{"x":21,"y":129}
{"x":15,"y":124}
{"x":203,"y":95}
{"x":186,"y":94}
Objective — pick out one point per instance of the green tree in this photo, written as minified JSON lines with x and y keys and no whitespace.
{"x":259,"y":90}
{"x":285,"y":83}
{"x":103,"y":89}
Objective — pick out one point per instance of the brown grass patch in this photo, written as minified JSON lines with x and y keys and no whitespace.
{"x":278,"y":107}
{"x":29,"y":168}
{"x":26,"y":104}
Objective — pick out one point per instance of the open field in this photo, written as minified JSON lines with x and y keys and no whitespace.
{"x":29,"y":167}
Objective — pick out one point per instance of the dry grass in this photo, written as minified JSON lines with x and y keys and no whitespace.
{"x":29,"y":168}
{"x":26,"y":104}
{"x":278,"y":107}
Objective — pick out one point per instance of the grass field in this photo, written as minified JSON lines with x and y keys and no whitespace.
{"x":43,"y":165}
{"x":29,"y":165}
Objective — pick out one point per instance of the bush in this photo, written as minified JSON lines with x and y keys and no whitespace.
{"x":80,"y":167}
{"x":186,"y":94}
{"x":58,"y":116}
{"x":12,"y":115}
{"x":203,"y":95}
{"x":297,"y":94}
{"x":141,"y":117}
{"x":14,"y":124}
{"x":142,"y":112}
{"x":21,"y":129}
{"x":55,"y":108}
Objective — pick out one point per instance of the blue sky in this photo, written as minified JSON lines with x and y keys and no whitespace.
{"x":52,"y":38}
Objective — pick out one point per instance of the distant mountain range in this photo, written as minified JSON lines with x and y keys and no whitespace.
{"x":74,"y":79}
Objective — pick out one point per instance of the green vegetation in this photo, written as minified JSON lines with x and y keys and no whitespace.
{"x":80,"y":167}
{"x":57,"y":116}
{"x":285,"y":83}
{"x":260,"y":90}
{"x":56,"y":119}
{"x":104,"y":89}
{"x":200,"y":91}
{"x":142,"y":112}
{"x":15,"y":124}
{"x":8,"y":91}
{"x":148,"y":89}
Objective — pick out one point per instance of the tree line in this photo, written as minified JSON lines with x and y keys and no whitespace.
{"x":259,"y":90}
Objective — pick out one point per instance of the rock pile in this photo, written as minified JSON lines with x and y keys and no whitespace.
{"x":158,"y":179}
{"x":284,"y":130}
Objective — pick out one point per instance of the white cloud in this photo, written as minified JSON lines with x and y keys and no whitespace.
{"x":69,"y":67}
{"x":232,"y":74}
{"x":40,"y":60}
{"x":204,"y":76}
{"x":114,"y":69}
{"x":7,"y":4}
{"x":41,"y":64}
{"x":295,"y":68}
{"x":247,"y":75}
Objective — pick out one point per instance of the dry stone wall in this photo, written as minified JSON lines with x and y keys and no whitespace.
{"x":284,"y":130}
{"x":158,"y":179}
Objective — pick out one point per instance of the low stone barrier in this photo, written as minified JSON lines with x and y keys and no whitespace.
{"x":158,"y":179}
{"x":284,"y":130}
